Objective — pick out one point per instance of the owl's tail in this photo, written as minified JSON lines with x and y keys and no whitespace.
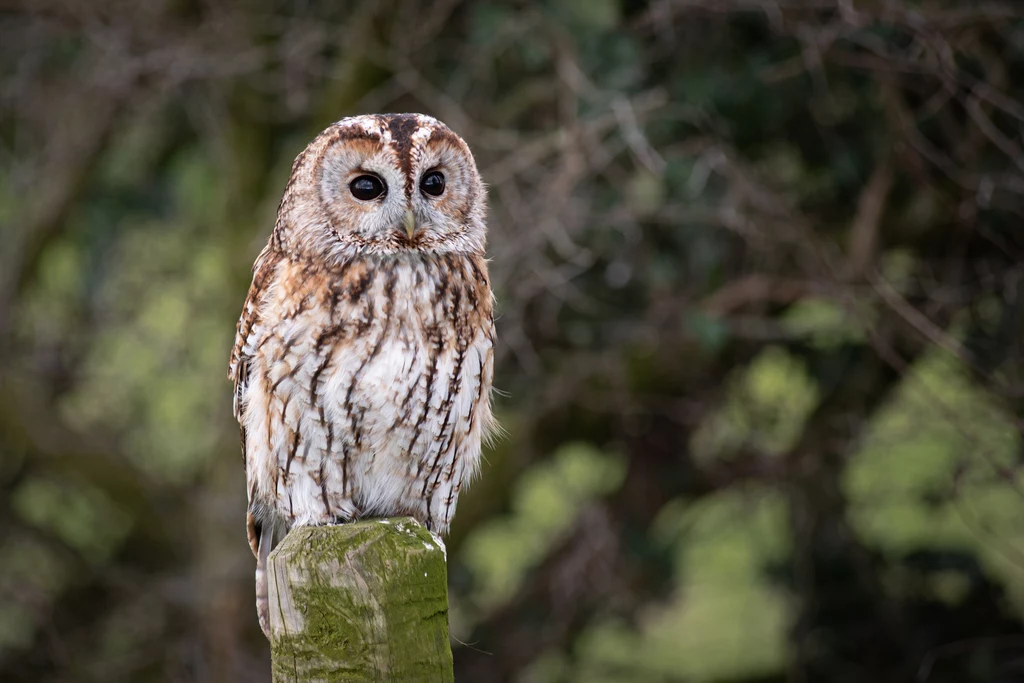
{"x":261,"y":539}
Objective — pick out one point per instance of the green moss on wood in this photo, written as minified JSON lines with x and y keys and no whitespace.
{"x":366,"y":601}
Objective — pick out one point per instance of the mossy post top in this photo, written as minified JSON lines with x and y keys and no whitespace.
{"x":366,"y":601}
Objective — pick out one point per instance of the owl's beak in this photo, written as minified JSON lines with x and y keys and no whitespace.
{"x":410,"y":223}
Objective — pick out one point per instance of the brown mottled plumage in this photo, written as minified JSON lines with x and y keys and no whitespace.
{"x":363,"y":359}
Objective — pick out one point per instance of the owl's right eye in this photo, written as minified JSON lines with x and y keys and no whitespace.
{"x":367,"y":187}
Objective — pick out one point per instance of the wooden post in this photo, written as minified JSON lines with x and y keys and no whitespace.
{"x":366,"y":601}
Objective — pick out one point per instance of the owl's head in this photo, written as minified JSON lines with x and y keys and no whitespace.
{"x":384,"y":184}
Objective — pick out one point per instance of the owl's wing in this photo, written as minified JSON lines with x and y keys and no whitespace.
{"x":238,"y":366}
{"x":241,"y":354}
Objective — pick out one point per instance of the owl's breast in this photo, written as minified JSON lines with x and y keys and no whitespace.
{"x":371,"y":389}
{"x":423,"y":345}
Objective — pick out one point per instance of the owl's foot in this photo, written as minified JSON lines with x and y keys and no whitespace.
{"x":348,"y":513}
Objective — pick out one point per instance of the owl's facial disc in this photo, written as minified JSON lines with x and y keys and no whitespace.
{"x":398,"y":183}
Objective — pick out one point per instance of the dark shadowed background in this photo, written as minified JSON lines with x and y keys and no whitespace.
{"x":759,"y":272}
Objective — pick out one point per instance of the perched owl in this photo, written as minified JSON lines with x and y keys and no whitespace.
{"x":363,"y":357}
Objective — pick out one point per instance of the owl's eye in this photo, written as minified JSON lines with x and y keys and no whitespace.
{"x":367,"y":187}
{"x":433,"y":183}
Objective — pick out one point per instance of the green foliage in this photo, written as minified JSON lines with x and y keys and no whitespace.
{"x":936,"y":469}
{"x":153,"y":372}
{"x":543,"y":504}
{"x":765,"y":408}
{"x":726,"y":619}
{"x":824,"y":324}
{"x":79,"y":514}
{"x":34,"y":569}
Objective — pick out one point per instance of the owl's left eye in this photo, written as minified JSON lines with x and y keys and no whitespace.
{"x":433,"y":183}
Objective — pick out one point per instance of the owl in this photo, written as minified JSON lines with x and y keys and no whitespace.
{"x":364,"y":354}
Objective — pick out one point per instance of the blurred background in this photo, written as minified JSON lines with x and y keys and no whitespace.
{"x":760,"y":272}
